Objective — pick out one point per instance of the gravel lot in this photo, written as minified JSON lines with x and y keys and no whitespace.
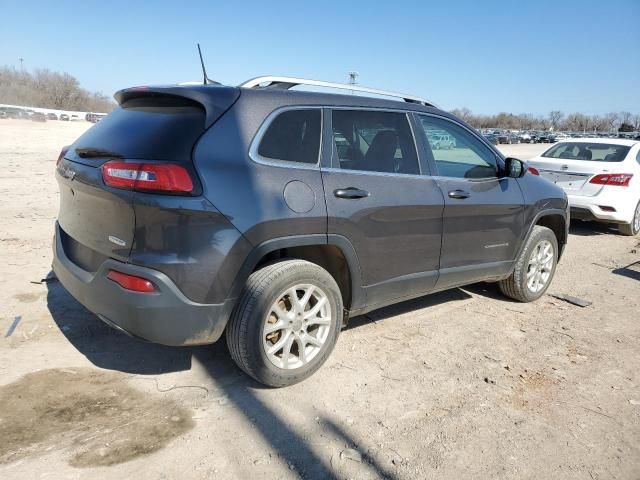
{"x":462,"y":384}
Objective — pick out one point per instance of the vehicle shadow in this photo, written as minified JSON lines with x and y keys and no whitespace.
{"x":106,"y":347}
{"x":587,"y":229}
{"x":420,"y":303}
{"x":628,"y":271}
{"x":110,"y":349}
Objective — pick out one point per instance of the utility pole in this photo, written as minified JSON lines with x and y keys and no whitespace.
{"x":353,"y":77}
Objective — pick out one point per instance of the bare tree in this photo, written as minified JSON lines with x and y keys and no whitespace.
{"x":612,"y":119}
{"x":47,"y":89}
{"x":555,"y":117}
{"x":625,"y":117}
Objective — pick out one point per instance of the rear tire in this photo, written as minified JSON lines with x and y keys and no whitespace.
{"x":633,"y":228}
{"x":534,"y":268}
{"x":267,"y":316}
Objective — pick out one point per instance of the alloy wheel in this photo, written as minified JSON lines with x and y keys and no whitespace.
{"x":540,"y":266}
{"x":297,"y":326}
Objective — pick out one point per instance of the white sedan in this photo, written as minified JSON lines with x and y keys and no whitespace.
{"x":601,"y":177}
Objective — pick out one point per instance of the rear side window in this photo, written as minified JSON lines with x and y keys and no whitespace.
{"x":596,"y":152}
{"x":154,"y":128}
{"x":374,"y":141}
{"x":293,"y":136}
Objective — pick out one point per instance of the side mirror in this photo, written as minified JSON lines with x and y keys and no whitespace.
{"x":514,"y":168}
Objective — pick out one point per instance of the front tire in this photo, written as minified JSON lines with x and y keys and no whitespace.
{"x":534,"y":268}
{"x":633,"y":228}
{"x":286,"y":323}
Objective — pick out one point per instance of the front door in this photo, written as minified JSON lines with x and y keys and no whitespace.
{"x":377,"y":198}
{"x":483,"y":214}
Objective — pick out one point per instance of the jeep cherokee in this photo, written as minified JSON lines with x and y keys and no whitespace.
{"x":271,"y":216}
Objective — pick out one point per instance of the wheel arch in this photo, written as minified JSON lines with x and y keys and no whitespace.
{"x":334,"y":253}
{"x":554,"y":219}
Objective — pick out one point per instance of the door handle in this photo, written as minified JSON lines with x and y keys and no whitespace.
{"x":460,"y":194}
{"x":351,"y":192}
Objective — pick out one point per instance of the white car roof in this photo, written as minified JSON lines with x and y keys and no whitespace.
{"x":609,"y":141}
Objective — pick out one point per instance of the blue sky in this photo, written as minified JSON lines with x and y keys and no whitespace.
{"x":489,"y":56}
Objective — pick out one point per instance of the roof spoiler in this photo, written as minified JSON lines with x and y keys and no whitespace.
{"x":215,"y":100}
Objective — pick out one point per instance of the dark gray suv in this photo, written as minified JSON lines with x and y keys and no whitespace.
{"x":275,"y":215}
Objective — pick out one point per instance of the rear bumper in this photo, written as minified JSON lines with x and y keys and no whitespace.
{"x":589,"y":208}
{"x":166,"y":316}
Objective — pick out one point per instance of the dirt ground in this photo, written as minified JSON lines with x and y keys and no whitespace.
{"x":461,"y":384}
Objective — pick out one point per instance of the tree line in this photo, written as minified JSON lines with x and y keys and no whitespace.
{"x":556,"y":120}
{"x":46,"y":89}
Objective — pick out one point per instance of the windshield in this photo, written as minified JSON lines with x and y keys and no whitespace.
{"x":596,"y":152}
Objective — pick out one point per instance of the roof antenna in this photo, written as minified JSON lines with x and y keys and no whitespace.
{"x":205,"y":78}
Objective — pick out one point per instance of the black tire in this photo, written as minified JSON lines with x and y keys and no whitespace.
{"x":631,"y":229}
{"x":516,"y":285}
{"x":245,"y":328}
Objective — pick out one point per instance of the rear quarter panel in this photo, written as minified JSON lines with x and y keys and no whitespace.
{"x":251,"y":194}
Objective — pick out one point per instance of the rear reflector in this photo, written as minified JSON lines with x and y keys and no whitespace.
{"x":617,"y":179}
{"x":63,"y":152}
{"x":606,"y":209}
{"x":534,"y":171}
{"x":131,"y":282}
{"x":161,"y":177}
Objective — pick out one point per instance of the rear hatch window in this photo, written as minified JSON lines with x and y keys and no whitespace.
{"x":99,"y":221}
{"x":595,"y":152}
{"x":161,"y":128}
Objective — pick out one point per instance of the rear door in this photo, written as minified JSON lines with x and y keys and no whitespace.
{"x":483,"y":214}
{"x":377,"y":199}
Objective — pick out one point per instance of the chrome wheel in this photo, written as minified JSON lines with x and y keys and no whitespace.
{"x":636,"y":220}
{"x":540,"y":266}
{"x":297,"y":326}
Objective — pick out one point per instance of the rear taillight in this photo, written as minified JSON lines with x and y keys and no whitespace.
{"x":63,"y":152}
{"x":160,"y":177}
{"x":534,"y":171}
{"x":616,"y":179}
{"x":131,"y":282}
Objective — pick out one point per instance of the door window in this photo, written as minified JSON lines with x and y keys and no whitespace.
{"x":456,"y":151}
{"x":374,"y":141}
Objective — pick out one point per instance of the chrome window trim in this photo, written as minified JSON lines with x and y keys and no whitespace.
{"x":369,"y":172}
{"x":384,"y":110}
{"x":274,"y":162}
{"x":482,"y":140}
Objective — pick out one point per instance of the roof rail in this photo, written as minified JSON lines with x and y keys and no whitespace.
{"x":285,"y":83}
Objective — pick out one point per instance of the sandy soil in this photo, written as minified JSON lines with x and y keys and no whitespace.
{"x":462,"y":384}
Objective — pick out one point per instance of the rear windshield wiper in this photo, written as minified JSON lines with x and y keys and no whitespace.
{"x":96,"y":153}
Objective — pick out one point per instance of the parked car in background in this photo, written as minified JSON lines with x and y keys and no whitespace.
{"x":492,"y":137}
{"x":525,"y":137}
{"x":52,"y":116}
{"x":11,"y":112}
{"x":38,"y":117}
{"x":507,"y":137}
{"x":94,"y":117}
{"x":64,"y":117}
{"x":601,"y":178}
{"x":242,"y":225}
{"x":442,"y":141}
{"x":74,"y":118}
{"x":545,"y":137}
